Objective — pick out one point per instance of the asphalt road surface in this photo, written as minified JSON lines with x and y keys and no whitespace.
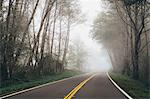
{"x":99,"y":87}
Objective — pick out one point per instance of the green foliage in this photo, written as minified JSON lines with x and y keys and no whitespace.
{"x":25,"y":48}
{"x":11,"y":86}
{"x":118,"y":30}
{"x":133,"y":87}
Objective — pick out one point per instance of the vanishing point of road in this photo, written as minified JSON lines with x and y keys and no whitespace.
{"x":81,"y":87}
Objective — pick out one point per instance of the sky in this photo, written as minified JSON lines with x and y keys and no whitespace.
{"x":97,"y":59}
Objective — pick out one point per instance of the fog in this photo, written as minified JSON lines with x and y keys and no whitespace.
{"x":97,"y":58}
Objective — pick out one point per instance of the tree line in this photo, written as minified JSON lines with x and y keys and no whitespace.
{"x":77,"y":55}
{"x":34,"y":36}
{"x":124,"y":30}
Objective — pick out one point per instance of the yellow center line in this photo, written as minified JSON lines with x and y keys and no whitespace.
{"x":76,"y":89}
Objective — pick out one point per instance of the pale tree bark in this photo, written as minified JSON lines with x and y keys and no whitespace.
{"x":54,"y":25}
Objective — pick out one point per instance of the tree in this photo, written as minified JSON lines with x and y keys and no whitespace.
{"x":125,"y":39}
{"x":77,"y":55}
{"x":27,"y":44}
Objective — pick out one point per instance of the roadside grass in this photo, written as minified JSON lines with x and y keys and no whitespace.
{"x":134,"y":88}
{"x":13,"y":86}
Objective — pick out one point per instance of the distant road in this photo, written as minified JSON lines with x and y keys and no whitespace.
{"x":98,"y":87}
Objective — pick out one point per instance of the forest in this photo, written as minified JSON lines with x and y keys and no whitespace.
{"x":34,"y":37}
{"x":36,"y":44}
{"x":124,"y":30}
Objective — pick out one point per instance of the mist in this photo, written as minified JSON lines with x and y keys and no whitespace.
{"x":97,"y":59}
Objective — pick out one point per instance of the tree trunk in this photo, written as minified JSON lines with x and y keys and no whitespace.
{"x":54,"y":24}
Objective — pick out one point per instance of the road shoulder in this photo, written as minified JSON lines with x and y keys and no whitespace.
{"x":118,"y":87}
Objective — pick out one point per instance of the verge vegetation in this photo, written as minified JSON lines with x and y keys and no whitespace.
{"x":14,"y":86}
{"x":133,"y":87}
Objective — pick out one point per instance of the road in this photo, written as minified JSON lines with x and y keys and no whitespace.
{"x":98,"y":87}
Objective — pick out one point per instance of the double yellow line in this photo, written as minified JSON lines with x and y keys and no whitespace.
{"x":76,"y":89}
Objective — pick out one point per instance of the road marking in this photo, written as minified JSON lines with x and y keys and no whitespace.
{"x":76,"y":89}
{"x":43,"y":85}
{"x":117,"y":86}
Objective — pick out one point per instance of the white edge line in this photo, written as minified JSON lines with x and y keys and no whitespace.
{"x":36,"y":87}
{"x":120,"y":89}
